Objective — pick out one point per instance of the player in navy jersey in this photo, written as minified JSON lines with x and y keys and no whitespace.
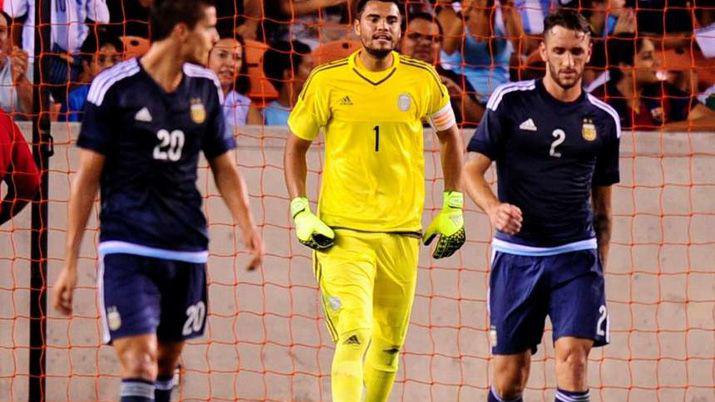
{"x":556,"y":152}
{"x":146,"y":122}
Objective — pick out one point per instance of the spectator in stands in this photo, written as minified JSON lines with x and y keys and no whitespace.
{"x":607,"y":18}
{"x":287,"y":66}
{"x":70,"y":27}
{"x":17,"y":169}
{"x":309,"y":21}
{"x":532,"y":13}
{"x":97,"y":54}
{"x":640,"y":98}
{"x":479,"y":43}
{"x":15,"y":86}
{"x":227,"y":61}
{"x":422,"y":40}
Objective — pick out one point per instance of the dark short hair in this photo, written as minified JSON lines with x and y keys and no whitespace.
{"x":566,"y":18}
{"x":361,"y":5}
{"x":421,"y":16}
{"x":98,"y":38}
{"x":622,"y":49}
{"x":166,"y":14}
{"x":282,"y":56}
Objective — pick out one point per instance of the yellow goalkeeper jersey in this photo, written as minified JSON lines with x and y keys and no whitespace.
{"x":373,"y":177}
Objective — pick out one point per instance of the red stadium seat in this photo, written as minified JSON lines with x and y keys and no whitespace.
{"x":334,"y":50}
{"x":135,"y":46}
{"x":261,"y":89}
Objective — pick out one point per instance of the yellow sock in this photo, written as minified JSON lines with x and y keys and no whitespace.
{"x":347,"y":369}
{"x":380,"y":370}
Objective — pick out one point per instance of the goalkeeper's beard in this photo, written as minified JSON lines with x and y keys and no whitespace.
{"x":376,"y":53}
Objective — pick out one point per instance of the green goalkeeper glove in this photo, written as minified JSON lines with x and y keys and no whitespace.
{"x":449,"y":225}
{"x":311,"y":231}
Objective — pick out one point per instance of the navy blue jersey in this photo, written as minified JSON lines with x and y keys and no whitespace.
{"x":151,"y":140}
{"x":549,"y":154}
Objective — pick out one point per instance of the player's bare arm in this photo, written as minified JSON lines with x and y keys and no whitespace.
{"x":452,"y":158}
{"x":504,"y":217}
{"x":82,"y":194}
{"x":449,"y":223}
{"x":233,"y":190}
{"x":602,"y":219}
{"x":295,"y":164}
{"x":311,"y":231}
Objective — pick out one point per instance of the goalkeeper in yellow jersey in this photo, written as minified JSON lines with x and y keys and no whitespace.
{"x":371,"y":107}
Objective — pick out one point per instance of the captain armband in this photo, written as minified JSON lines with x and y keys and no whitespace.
{"x":443,"y":119}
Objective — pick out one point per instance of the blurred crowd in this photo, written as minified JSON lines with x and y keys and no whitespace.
{"x":652,"y":60}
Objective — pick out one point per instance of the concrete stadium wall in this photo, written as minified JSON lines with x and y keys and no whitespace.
{"x":266,"y":339}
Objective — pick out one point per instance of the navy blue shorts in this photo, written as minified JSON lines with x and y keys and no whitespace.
{"x":144,"y":295}
{"x":567,"y":287}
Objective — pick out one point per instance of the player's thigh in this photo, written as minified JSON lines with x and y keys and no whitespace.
{"x":577,"y":307}
{"x":345,"y":275}
{"x":130,"y":300}
{"x":518,"y":303}
{"x":395,"y":282}
{"x":184,"y":303}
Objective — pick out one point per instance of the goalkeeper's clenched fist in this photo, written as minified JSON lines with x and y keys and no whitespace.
{"x":449,"y":225}
{"x":311,"y":231}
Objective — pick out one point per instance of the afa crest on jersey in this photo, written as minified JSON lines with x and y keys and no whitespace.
{"x":114,"y":320}
{"x":404,"y":101}
{"x":198,"y":112}
{"x":588,"y":130}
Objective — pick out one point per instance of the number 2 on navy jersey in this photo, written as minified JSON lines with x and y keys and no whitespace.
{"x":560,"y":137}
{"x":170,"y":145}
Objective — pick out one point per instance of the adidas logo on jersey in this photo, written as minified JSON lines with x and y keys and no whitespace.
{"x":345,"y":101}
{"x":528,"y":125}
{"x":143,"y":115}
{"x":353,"y":340}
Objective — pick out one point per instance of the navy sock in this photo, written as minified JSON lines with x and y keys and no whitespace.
{"x":572,"y":396}
{"x":163,"y":388}
{"x":494,"y":397}
{"x":137,"y":390}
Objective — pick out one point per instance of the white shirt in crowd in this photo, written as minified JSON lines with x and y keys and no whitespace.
{"x":68,"y":16}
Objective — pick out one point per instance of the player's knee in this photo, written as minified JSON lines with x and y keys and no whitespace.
{"x":384,"y":356}
{"x":349,"y":352}
{"x":510,"y":377}
{"x":573,"y":359}
{"x":140,"y":363}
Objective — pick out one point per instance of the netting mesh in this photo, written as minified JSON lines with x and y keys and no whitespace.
{"x":266,"y":338}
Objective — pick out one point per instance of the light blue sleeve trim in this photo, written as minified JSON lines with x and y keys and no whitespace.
{"x":120,"y":247}
{"x":519,"y":249}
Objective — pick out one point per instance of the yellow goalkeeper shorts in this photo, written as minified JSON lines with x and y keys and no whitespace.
{"x":367,"y":281}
